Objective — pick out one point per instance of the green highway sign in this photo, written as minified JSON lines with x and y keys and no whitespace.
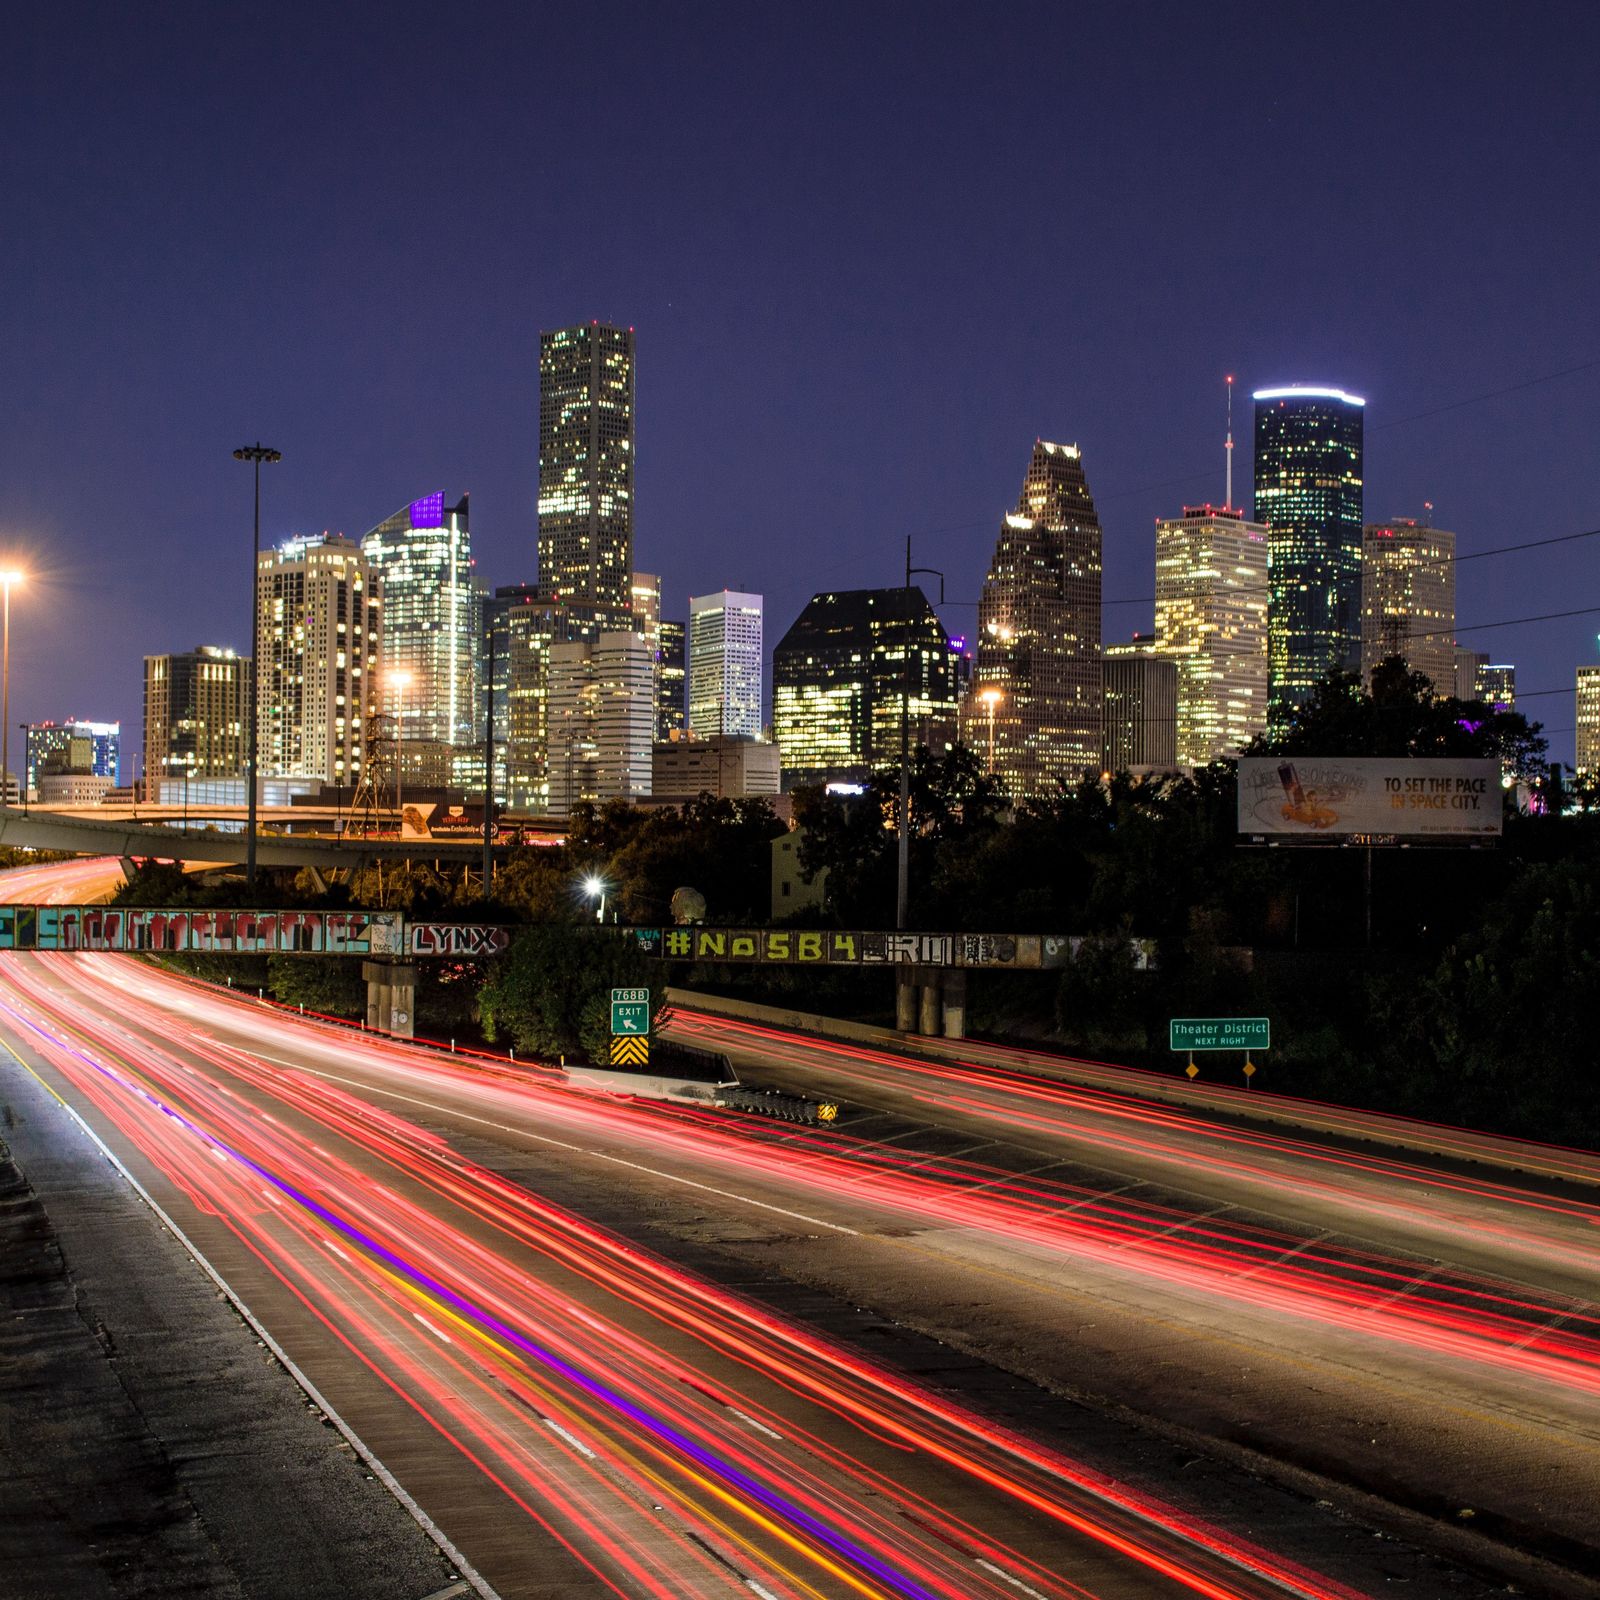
{"x":1220,"y":1033}
{"x":630,"y":1011}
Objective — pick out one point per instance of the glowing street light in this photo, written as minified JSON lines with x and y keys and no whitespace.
{"x":7,"y":579}
{"x":595,"y":885}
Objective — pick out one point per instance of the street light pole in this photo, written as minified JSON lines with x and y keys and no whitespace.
{"x":6,"y":580}
{"x":902,"y":893}
{"x":254,"y":453}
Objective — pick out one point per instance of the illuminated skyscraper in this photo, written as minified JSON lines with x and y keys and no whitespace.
{"x":195,"y":708}
{"x":318,"y":637}
{"x":422,"y":556}
{"x":586,"y":469}
{"x":1408,"y":600}
{"x":672,"y":677}
{"x":1308,"y":465}
{"x":838,"y":677}
{"x":1211,"y":621}
{"x":72,"y":747}
{"x":725,"y":663}
{"x":601,"y":720}
{"x":1588,"y":754}
{"x":1036,"y":692}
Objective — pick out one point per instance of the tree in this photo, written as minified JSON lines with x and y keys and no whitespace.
{"x":551,"y":991}
{"x":1400,"y":717}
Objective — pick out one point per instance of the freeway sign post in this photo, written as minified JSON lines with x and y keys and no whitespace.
{"x":1220,"y":1033}
{"x":630,"y":1011}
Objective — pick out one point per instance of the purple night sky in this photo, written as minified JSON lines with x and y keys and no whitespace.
{"x":871,"y":253}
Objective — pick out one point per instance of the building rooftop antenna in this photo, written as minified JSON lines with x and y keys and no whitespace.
{"x":1228,"y":501}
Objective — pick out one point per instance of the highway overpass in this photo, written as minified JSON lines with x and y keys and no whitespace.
{"x":86,"y":831}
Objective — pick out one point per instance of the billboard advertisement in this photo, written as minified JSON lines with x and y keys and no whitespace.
{"x":1324,"y":797}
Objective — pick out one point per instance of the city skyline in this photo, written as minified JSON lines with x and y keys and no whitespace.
{"x":834,"y":353}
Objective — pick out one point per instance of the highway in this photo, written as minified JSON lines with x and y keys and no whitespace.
{"x":565,"y":1308}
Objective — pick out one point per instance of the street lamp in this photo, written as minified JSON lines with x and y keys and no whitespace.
{"x":592,"y":886}
{"x":399,"y":680}
{"x":7,"y":579}
{"x":989,"y":698}
{"x":255,"y":453}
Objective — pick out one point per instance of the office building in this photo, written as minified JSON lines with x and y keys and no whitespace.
{"x":1140,"y":726}
{"x":1035,"y":695}
{"x":318,"y":636}
{"x":1408,"y":600}
{"x":839,"y":675}
{"x":1478,"y":678}
{"x":1588,"y":753}
{"x":196,"y":711}
{"x":725,"y":663}
{"x":586,"y":469}
{"x":1211,"y":623}
{"x":728,"y":766}
{"x":1308,"y":492}
{"x":672,"y":678}
{"x":93,"y":748}
{"x":427,"y":671}
{"x":1497,"y":685}
{"x":601,"y":720}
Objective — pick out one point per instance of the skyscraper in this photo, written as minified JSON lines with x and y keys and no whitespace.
{"x":672,"y":677}
{"x":601,"y":720}
{"x":725,"y":663}
{"x":1141,"y":707}
{"x":422,"y":557}
{"x":1308,"y":466}
{"x":1211,"y":621}
{"x":1408,"y":600}
{"x":838,"y":676}
{"x":318,"y":634}
{"x":586,"y":469}
{"x":1588,"y":752}
{"x":195,"y":708}
{"x":72,"y":747}
{"x":1035,"y":693}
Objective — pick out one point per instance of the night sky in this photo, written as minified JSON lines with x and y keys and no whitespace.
{"x":871,"y":251}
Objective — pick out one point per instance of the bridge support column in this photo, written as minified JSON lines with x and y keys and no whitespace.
{"x":905,"y":1000}
{"x":391,"y":997}
{"x":955,"y":1002}
{"x":928,"y":1020}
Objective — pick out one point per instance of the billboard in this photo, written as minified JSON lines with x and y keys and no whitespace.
{"x":1340,"y":798}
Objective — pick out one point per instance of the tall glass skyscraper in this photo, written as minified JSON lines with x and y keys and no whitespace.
{"x":432,"y":622}
{"x":586,"y":469}
{"x":725,"y":662}
{"x":1035,"y":700}
{"x":1308,"y":481}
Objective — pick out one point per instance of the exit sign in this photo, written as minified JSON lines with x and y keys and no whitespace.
{"x":1220,"y":1033}
{"x":630,"y":1011}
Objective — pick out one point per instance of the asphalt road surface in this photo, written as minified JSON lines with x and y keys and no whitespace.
{"x":950,"y":1348}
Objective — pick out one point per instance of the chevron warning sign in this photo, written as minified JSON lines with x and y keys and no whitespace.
{"x":630,"y":1050}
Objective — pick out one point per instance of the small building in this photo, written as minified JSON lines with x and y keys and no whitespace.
{"x":729,"y":766}
{"x":790,"y":891}
{"x":73,"y":788}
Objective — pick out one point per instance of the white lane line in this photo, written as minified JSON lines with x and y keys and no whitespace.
{"x":438,"y":1333}
{"x":565,"y":1144}
{"x":571,"y":1438}
{"x":760,"y":1427}
{"x":1007,"y":1577}
{"x":379,"y":1471}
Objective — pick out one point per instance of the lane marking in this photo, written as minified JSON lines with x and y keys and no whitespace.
{"x":264,"y":1334}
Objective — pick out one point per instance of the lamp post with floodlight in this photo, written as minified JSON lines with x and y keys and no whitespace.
{"x":7,"y":579}
{"x":399,"y":680}
{"x":256,"y":454}
{"x":593,"y":886}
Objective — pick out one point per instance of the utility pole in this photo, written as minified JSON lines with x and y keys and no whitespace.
{"x":903,"y":816}
{"x":255,"y":453}
{"x":488,"y":776}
